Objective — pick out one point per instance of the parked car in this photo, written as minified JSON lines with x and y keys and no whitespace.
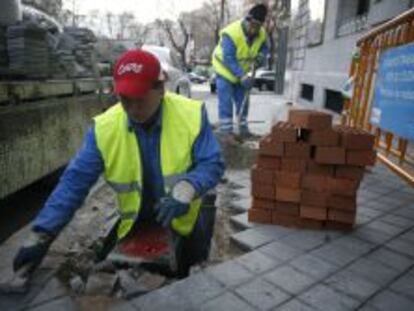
{"x":178,"y":81}
{"x":265,"y":80}
{"x":196,"y":78}
{"x":212,"y":81}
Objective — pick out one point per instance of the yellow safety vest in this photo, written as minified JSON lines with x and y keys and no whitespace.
{"x":180,"y":127}
{"x":245,"y":54}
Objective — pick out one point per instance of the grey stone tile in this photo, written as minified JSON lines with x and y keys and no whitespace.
{"x":325,"y":298}
{"x":52,"y":290}
{"x":257,"y":262}
{"x":289,"y":279}
{"x":387,"y":300}
{"x":390,"y":258}
{"x":409,"y":236}
{"x":404,"y":285}
{"x":368,"y":308}
{"x":381,"y":225}
{"x":250,"y":239}
{"x":64,"y":303}
{"x":401,"y":246}
{"x":405,"y":211}
{"x":274,"y":231}
{"x":261,"y":294}
{"x":352,"y":285}
{"x":199,"y":287}
{"x":369,"y":212}
{"x":373,"y":271}
{"x":228,"y":302}
{"x":399,"y":221}
{"x":306,"y":240}
{"x":313,"y":266}
{"x":371,"y":235}
{"x":294,"y":305}
{"x":241,"y":221}
{"x":230,"y":273}
{"x":280,"y":251}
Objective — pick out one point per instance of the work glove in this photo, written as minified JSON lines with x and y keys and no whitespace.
{"x":33,"y":251}
{"x":246,"y":82}
{"x":260,"y":60}
{"x":176,"y":204}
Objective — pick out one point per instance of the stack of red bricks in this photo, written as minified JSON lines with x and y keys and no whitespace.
{"x":308,"y":172}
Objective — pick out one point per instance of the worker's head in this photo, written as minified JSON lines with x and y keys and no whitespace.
{"x":255,"y":19}
{"x":139,"y":82}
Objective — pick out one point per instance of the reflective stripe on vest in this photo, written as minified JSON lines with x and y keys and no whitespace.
{"x":181,"y":125}
{"x":245,"y":54}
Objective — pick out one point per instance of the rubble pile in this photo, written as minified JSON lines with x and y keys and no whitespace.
{"x":308,"y":172}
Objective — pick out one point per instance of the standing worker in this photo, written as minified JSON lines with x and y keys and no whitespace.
{"x":242,"y":44}
{"x":158,"y":153}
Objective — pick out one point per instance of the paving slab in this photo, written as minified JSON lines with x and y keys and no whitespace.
{"x":250,"y":239}
{"x":261,"y":294}
{"x":274,"y":231}
{"x":230,"y":273}
{"x":241,"y":221}
{"x":404,"y":286}
{"x":257,"y":262}
{"x":371,"y":235}
{"x":52,"y":290}
{"x":314,"y":266}
{"x":387,"y":300}
{"x":402,"y":246}
{"x":64,"y":303}
{"x":228,"y":302}
{"x":307,"y":240}
{"x":295,"y":305}
{"x":280,"y":251}
{"x":391,"y":258}
{"x":289,"y":279}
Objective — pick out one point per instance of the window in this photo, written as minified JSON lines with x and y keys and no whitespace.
{"x":352,"y":16}
{"x":333,"y":100}
{"x":307,"y":92}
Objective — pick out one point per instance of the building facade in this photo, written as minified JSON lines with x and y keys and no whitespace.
{"x":322,"y":39}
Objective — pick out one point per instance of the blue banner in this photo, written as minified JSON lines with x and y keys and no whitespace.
{"x":393,"y":103}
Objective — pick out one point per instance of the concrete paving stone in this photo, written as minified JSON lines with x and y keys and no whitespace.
{"x":228,"y":302}
{"x":354,"y":245}
{"x":391,"y":259}
{"x":280,"y":251}
{"x":409,"y":236}
{"x":230,"y":273}
{"x":53,"y":289}
{"x":242,"y":205}
{"x":369,"y":212}
{"x":395,"y":220}
{"x":65,"y":303}
{"x":289,"y":279}
{"x":373,"y":271}
{"x":351,"y":284}
{"x":362,"y":219}
{"x":402,"y":195}
{"x":391,"y":201}
{"x":261,"y":294}
{"x":250,"y":239}
{"x":258,"y":262}
{"x":324,"y":298}
{"x":405,"y":211}
{"x":368,"y":308}
{"x":313,"y":266}
{"x":294,"y":305}
{"x":378,"y":204}
{"x":381,"y":225}
{"x":387,"y":300}
{"x":242,"y":221}
{"x":404,"y":286}
{"x":371,"y":235}
{"x":402,"y":246}
{"x":306,"y":240}
{"x":274,"y":231}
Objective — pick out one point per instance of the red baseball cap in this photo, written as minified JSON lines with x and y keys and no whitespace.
{"x":135,"y":73}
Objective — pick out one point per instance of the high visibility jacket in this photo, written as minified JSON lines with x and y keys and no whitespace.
{"x":180,"y":127}
{"x":245,"y":53}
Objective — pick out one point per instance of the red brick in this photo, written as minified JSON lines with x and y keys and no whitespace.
{"x":324,"y":138}
{"x":262,"y":176}
{"x":284,"y":132}
{"x":342,"y":203}
{"x":287,"y":208}
{"x":330,"y":155}
{"x":311,"y":224}
{"x":263,"y":191}
{"x":310,"y":119}
{"x":300,"y":150}
{"x":260,"y":216}
{"x":263,"y":204}
{"x":317,"y":183}
{"x":288,"y":179}
{"x":293,"y":165}
{"x":345,"y":187}
{"x":285,"y":220}
{"x":355,"y":138}
{"x":361,"y":157}
{"x":314,"y":198}
{"x":341,"y":216}
{"x":314,"y":168}
{"x":313,"y":212}
{"x":287,"y":194}
{"x":349,"y":172}
{"x":267,"y":162}
{"x":334,"y":225}
{"x":269,"y":147}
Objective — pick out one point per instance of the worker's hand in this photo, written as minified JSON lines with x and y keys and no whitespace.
{"x":246,"y":82}
{"x":33,"y":251}
{"x":176,"y":204}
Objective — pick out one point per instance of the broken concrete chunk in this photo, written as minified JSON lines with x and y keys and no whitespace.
{"x":101,"y":283}
{"x":151,"y":281}
{"x":77,"y":284}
